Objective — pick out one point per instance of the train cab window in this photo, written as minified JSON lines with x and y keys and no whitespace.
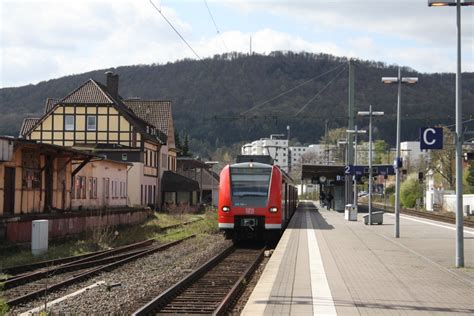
{"x":250,"y":186}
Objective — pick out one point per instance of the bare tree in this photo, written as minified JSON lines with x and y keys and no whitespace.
{"x":443,"y":160}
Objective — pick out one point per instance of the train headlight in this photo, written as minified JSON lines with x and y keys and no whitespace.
{"x":273,"y":209}
{"x":225,"y":209}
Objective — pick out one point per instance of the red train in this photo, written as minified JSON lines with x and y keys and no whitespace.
{"x":256,"y":201}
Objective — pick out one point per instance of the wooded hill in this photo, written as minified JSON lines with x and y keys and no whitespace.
{"x":211,"y":98}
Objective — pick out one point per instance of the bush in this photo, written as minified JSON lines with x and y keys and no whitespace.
{"x":390,"y":190}
{"x":410,"y":190}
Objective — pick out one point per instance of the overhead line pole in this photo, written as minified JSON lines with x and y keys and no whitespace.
{"x":350,"y":136}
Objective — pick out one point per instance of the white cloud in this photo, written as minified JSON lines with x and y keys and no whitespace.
{"x":50,"y":38}
{"x":46,"y":39}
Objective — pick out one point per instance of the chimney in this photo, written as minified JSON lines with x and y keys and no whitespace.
{"x":112,"y":84}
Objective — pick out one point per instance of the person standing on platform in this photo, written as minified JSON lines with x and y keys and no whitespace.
{"x":322,"y":198}
{"x":329,"y":198}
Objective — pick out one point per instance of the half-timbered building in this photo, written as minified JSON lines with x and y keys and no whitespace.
{"x":95,"y":118}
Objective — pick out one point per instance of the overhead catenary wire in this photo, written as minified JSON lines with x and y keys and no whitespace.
{"x":320,"y":91}
{"x":176,"y":31}
{"x":290,"y":90}
{"x":215,"y":25}
{"x":194,"y":51}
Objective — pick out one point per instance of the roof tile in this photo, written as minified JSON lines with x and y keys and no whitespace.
{"x":27,"y":125}
{"x":155,"y":112}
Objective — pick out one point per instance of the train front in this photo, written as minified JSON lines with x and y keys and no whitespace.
{"x":250,"y":201}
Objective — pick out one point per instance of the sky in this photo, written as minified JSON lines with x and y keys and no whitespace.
{"x":47,"y":39}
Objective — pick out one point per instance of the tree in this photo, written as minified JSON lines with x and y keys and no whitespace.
{"x":333,"y":136}
{"x":410,"y":190}
{"x":443,"y":160}
{"x":470,"y":174}
{"x":185,"y":149}
{"x":177,"y":141}
{"x":381,"y":154}
{"x":469,"y":178}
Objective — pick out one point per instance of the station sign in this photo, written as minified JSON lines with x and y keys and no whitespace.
{"x":364,"y":170}
{"x":431,"y":138}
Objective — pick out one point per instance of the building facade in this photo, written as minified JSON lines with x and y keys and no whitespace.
{"x":274,"y":147}
{"x":100,"y":185}
{"x":36,"y":178}
{"x":412,"y":155}
{"x":95,"y":118}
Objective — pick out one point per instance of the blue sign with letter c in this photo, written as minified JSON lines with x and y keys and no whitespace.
{"x":431,"y":138}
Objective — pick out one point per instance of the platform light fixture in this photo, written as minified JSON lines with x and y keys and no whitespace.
{"x":448,"y":3}
{"x":399,"y":81}
{"x":459,"y":132}
{"x":370,"y":113}
{"x":356,"y":132}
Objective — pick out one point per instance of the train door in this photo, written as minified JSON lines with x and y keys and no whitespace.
{"x":9,"y":192}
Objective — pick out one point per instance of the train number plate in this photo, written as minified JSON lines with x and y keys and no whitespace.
{"x":249,"y":210}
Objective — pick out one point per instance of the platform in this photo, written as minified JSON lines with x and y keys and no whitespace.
{"x":325,"y":265}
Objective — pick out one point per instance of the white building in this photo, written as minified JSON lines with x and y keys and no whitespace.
{"x":276,"y":148}
{"x":412,"y":154}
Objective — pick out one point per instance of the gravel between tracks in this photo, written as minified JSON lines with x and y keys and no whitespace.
{"x":140,"y":280}
{"x":244,"y":297}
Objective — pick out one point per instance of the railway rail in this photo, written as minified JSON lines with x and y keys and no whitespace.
{"x":23,"y":271}
{"x":427,"y":215}
{"x":224,"y":276}
{"x":30,"y":286}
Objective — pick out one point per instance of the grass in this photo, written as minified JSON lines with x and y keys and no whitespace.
{"x":3,"y":304}
{"x":153,"y":228}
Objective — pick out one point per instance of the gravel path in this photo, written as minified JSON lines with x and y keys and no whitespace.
{"x":140,"y":280}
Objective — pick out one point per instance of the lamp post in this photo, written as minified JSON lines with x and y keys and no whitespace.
{"x":459,"y":138}
{"x":370,"y":113}
{"x":399,"y":80}
{"x":356,"y":132}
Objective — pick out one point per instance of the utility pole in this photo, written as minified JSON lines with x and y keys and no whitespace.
{"x":350,"y":137}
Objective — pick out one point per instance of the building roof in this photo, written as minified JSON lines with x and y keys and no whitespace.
{"x":191,"y":163}
{"x":49,"y":104}
{"x":329,"y":171}
{"x":90,"y":92}
{"x":27,"y":125}
{"x":93,"y":92}
{"x":53,"y":149}
{"x":173,"y":182}
{"x":156,"y":112}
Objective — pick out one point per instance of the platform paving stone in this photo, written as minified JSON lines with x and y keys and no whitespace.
{"x":368,"y":271}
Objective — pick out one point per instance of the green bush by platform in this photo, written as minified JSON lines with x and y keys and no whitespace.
{"x":410,"y":190}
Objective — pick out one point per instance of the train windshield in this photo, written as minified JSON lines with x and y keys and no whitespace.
{"x":250,"y":186}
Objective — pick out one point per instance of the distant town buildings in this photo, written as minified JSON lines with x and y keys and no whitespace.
{"x":412,"y":155}
{"x":276,"y":148}
{"x":288,"y":157}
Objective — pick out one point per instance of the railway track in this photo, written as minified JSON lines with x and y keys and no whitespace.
{"x":17,"y":273}
{"x":211,"y":289}
{"x":29,"y":286}
{"x":427,"y":215}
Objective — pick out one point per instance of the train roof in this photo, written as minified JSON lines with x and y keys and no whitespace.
{"x":266,"y":159}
